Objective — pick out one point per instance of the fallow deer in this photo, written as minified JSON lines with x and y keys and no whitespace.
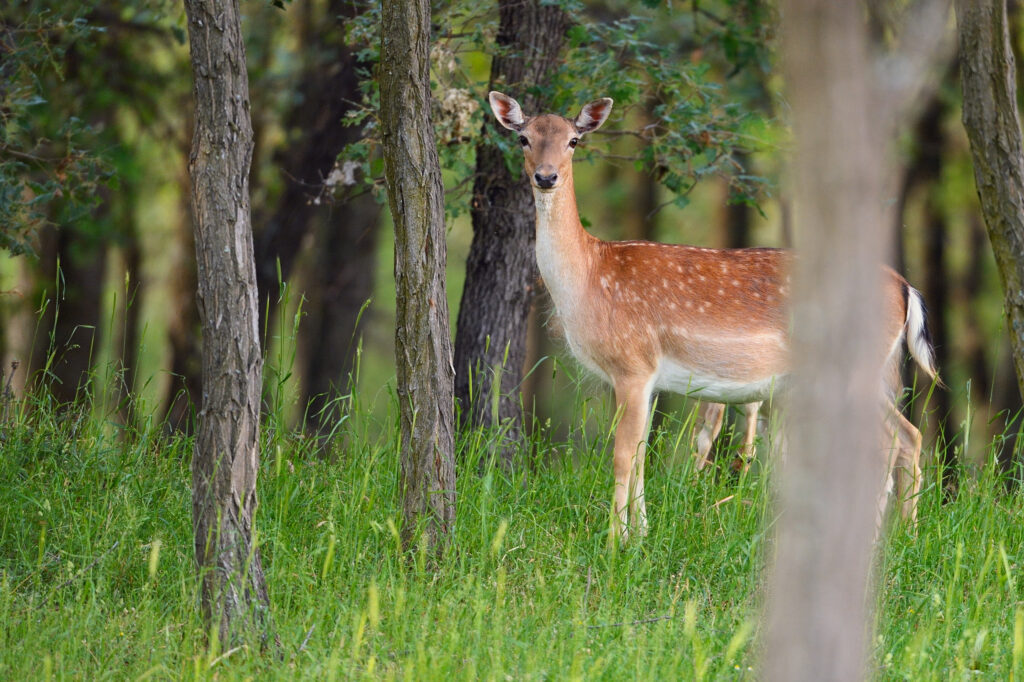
{"x":710,"y":323}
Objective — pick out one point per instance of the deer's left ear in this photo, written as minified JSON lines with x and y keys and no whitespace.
{"x":593,"y":115}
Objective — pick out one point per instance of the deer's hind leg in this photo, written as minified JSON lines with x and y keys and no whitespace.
{"x":907,"y":443}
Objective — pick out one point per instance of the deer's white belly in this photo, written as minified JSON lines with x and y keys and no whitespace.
{"x":675,"y":377}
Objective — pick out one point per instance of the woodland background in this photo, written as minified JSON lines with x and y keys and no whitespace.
{"x":102,"y":353}
{"x":97,"y":282}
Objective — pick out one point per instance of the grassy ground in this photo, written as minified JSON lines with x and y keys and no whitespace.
{"x":96,"y":572}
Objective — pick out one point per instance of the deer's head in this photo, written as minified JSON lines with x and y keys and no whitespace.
{"x":548,"y":140}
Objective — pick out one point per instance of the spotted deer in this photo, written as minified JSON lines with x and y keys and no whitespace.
{"x":710,"y":323}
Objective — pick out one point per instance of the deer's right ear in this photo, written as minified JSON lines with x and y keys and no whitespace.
{"x":507,"y":111}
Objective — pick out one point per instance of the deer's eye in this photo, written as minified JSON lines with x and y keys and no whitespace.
{"x":573,"y":142}
{"x":523,"y":141}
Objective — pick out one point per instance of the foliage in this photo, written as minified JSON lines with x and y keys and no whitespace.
{"x":97,"y":575}
{"x":40,"y":166}
{"x":682,"y":82}
{"x":65,"y":69}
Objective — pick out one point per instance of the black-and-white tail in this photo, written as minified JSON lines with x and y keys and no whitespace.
{"x":919,"y":340}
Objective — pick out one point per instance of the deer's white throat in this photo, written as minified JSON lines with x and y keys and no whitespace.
{"x":559,"y":259}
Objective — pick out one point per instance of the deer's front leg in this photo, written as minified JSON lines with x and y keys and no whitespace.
{"x":632,"y":398}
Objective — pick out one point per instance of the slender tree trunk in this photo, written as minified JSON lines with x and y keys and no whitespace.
{"x":501,"y":271}
{"x":988,"y":78}
{"x":925,"y":172}
{"x":423,"y":351}
{"x":342,"y":283}
{"x":226,"y":457}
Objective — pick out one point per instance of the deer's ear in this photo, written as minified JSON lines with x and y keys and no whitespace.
{"x":507,"y":111}
{"x":593,"y":115}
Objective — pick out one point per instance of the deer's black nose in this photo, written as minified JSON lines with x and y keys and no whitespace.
{"x":545,"y":181}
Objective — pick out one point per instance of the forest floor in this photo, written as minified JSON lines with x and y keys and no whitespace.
{"x":97,"y":577}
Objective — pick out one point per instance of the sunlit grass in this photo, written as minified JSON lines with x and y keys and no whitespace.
{"x":97,"y":578}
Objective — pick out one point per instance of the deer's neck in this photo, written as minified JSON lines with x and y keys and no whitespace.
{"x":565,"y":251}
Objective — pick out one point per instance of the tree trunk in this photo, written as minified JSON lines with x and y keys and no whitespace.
{"x":342,"y":283}
{"x":345,"y":231}
{"x":988,"y":78}
{"x":226,"y":458}
{"x":925,"y":171}
{"x":73,"y":266}
{"x":423,"y":351}
{"x":501,"y":270}
{"x":829,"y":481}
{"x":184,"y":390}
{"x":316,"y":134}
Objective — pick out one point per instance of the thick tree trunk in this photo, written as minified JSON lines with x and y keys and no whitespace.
{"x":226,"y":457}
{"x":988,"y":78}
{"x":501,"y":271}
{"x":423,"y":350}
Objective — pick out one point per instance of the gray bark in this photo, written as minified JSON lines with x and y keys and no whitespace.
{"x":422,"y":343}
{"x":226,"y":458}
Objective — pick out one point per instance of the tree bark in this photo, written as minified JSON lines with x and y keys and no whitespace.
{"x":501,"y":270}
{"x":990,"y":116}
{"x":423,"y":350}
{"x":226,"y":458}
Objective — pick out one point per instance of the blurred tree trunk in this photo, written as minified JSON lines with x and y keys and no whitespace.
{"x":128,"y":340}
{"x":341,"y":284}
{"x":736,"y":222}
{"x":184,"y":391}
{"x":72,"y":268}
{"x":226,"y":458}
{"x":344,"y":230}
{"x":423,"y":351}
{"x":988,"y":78}
{"x":501,"y":270}
{"x":817,"y":606}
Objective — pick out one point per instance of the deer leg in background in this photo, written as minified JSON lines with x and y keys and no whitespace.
{"x":748,"y":450}
{"x":906,"y":440}
{"x":709,"y":425}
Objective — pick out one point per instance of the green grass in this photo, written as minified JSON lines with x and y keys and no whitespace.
{"x":97,"y":579}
